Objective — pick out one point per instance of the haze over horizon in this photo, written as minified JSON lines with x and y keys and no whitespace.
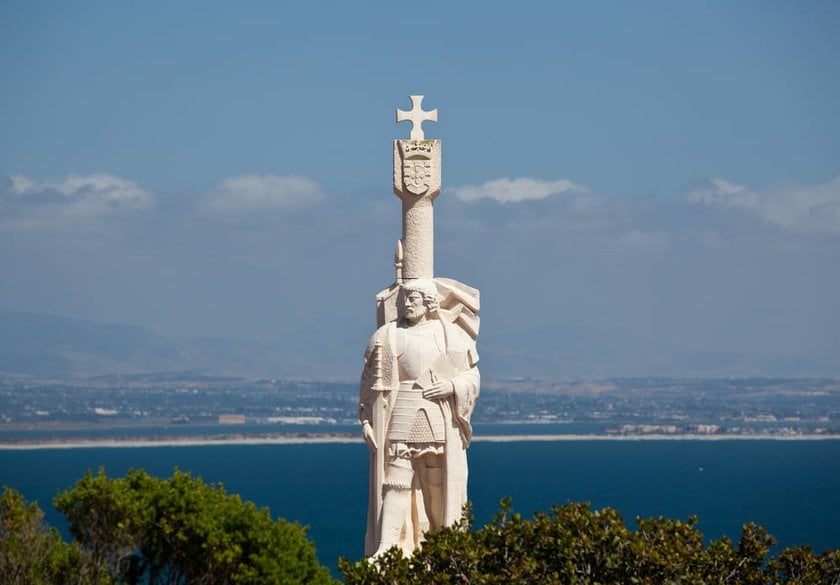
{"x":648,"y":188}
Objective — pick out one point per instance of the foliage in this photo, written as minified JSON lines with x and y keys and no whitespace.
{"x":143,"y":529}
{"x":576,"y":545}
{"x":32,"y":554}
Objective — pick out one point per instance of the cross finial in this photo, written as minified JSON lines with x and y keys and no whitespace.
{"x":416,"y":116}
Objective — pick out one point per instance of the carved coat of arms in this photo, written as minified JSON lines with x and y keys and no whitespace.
{"x":417,"y":174}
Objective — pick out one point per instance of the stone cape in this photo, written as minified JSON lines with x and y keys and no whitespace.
{"x":461,"y":357}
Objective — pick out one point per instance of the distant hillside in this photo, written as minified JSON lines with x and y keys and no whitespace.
{"x":49,"y":346}
{"x":39,"y":345}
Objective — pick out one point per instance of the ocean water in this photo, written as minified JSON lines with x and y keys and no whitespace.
{"x":791,"y":487}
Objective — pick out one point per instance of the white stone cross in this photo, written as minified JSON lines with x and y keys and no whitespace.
{"x":416,"y":116}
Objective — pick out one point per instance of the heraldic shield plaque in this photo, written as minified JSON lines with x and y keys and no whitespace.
{"x":417,"y":167}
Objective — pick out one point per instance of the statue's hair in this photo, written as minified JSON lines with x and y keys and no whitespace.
{"x":427,"y":288}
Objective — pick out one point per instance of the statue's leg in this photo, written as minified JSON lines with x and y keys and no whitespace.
{"x":431,"y":470}
{"x":395,"y":502}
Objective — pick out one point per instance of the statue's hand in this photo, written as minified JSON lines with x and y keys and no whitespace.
{"x":440,"y":390}
{"x":367,"y":433}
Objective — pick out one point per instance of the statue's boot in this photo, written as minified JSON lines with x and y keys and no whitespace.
{"x":395,"y":504}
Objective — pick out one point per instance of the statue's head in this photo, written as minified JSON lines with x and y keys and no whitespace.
{"x":419,"y":298}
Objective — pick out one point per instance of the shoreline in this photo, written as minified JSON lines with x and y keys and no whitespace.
{"x":344,"y":439}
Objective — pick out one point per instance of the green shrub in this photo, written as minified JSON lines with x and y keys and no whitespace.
{"x":576,"y":545}
{"x":181,"y":530}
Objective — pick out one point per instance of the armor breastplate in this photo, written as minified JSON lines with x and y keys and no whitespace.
{"x":415,"y":419}
{"x":420,"y":349}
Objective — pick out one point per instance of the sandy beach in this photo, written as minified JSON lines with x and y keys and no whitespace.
{"x":342,"y":439}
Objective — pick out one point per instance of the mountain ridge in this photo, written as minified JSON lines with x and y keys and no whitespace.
{"x":52,"y":346}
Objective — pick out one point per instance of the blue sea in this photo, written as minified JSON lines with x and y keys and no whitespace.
{"x":791,"y":487}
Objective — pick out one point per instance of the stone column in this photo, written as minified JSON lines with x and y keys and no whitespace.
{"x":417,"y":183}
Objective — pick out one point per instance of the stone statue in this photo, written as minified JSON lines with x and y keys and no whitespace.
{"x":420,"y":380}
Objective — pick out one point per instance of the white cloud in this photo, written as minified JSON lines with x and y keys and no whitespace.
{"x":255,"y":193}
{"x":32,"y":204}
{"x":811,"y":209}
{"x":515,"y":190}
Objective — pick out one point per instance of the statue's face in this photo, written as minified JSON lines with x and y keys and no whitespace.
{"x":415,"y":307}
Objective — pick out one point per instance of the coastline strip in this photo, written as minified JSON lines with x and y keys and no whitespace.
{"x":342,"y":439}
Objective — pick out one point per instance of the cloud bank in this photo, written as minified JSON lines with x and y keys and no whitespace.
{"x":715,"y":213}
{"x":32,"y":204}
{"x":263,"y":193}
{"x":811,"y":210}
{"x":506,"y":190}
{"x":28,"y":204}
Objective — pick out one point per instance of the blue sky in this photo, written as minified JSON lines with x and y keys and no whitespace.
{"x":642,"y":187}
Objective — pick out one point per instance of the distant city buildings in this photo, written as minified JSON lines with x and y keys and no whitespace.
{"x":622,"y":407}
